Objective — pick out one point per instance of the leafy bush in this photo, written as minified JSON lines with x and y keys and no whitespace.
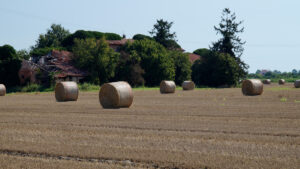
{"x":88,"y":87}
{"x":31,"y":88}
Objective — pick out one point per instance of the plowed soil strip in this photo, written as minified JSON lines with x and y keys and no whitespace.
{"x":159,"y":129}
{"x":127,"y":163}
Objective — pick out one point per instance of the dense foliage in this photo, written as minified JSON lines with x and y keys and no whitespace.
{"x":162,"y":34}
{"x":53,"y":38}
{"x":129,"y":69}
{"x":215,"y":69}
{"x":68,"y":42}
{"x":275,"y":75}
{"x":38,"y":52}
{"x":141,"y":37}
{"x":96,"y":57}
{"x":153,"y":58}
{"x":230,"y":43}
{"x":183,"y":66}
{"x":201,"y":51}
{"x":10,"y":64}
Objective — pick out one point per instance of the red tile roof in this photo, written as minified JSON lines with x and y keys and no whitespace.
{"x":193,"y":57}
{"x":119,"y":42}
{"x":62,"y":61}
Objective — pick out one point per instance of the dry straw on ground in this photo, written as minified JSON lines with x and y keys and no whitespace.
{"x":281,"y":82}
{"x":252,"y":87}
{"x":116,"y":95}
{"x":267,"y":81}
{"x":167,"y":86}
{"x":188,"y":85}
{"x":297,"y":83}
{"x":66,"y":91}
{"x":2,"y":90}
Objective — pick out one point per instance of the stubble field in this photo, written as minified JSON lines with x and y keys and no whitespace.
{"x":213,"y":128}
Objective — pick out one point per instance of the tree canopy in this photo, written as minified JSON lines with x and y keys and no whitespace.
{"x":141,"y":37}
{"x":53,"y":38}
{"x":183,"y":66}
{"x":230,"y":42}
{"x":96,"y":57}
{"x":161,"y":32}
{"x":215,"y":69}
{"x":68,"y":42}
{"x":153,"y":58}
{"x":10,"y":64}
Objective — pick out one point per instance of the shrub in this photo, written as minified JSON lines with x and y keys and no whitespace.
{"x":88,"y":87}
{"x":31,"y":88}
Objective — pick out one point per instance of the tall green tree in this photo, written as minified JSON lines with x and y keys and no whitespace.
{"x":96,"y":57}
{"x":230,"y":42}
{"x":161,"y":32}
{"x":10,"y":64}
{"x":53,"y":38}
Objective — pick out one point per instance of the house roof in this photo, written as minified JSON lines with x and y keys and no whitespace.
{"x":119,"y":42}
{"x":193,"y":57}
{"x":62,"y":62}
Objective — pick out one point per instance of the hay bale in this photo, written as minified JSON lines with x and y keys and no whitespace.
{"x":252,"y":87}
{"x":66,"y":91}
{"x":167,"y":86}
{"x":267,"y":81}
{"x":188,"y":85}
{"x":297,"y":84}
{"x":116,"y":95}
{"x":2,"y":90}
{"x":281,"y":82}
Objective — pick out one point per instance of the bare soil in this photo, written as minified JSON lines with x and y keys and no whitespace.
{"x":213,"y":128}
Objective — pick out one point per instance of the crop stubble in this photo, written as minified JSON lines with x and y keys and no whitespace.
{"x":217,"y":128}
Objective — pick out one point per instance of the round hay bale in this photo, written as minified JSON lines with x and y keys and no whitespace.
{"x":297,"y":84}
{"x":281,"y":82}
{"x":267,"y":81}
{"x":2,"y":90}
{"x":116,"y":95}
{"x":167,"y":86}
{"x":252,"y":87}
{"x":188,"y":85}
{"x":66,"y":91}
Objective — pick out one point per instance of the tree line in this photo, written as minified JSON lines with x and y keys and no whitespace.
{"x":145,"y":61}
{"x":275,"y":74}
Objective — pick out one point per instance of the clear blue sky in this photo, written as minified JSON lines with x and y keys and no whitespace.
{"x":272,"y":27}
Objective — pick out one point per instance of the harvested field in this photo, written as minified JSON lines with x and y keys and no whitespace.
{"x":214,"y":128}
